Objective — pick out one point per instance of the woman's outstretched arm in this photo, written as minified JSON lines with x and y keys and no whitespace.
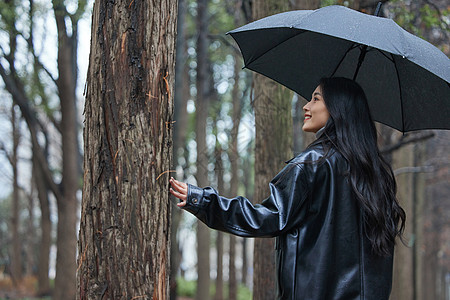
{"x":281,"y":211}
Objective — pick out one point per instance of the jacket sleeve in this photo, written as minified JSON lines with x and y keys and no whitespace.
{"x":284,"y":209}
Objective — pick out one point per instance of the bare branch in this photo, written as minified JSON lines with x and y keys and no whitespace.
{"x":407,"y":140}
{"x":8,"y":156}
{"x":438,"y":11}
{"x":29,"y":115}
{"x":37,"y":61}
{"x":421,"y":169}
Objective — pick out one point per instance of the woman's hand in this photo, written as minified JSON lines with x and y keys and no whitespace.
{"x":179,"y":190}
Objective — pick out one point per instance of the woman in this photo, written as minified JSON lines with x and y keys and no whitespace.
{"x":332,"y":208}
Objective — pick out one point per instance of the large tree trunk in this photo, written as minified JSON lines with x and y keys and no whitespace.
{"x":272,"y":104}
{"x":203,"y":234}
{"x":124,"y":240}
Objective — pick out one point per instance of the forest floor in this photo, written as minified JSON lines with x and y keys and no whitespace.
{"x":26,"y":290}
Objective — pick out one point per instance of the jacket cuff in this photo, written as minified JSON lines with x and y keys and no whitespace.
{"x":194,"y":199}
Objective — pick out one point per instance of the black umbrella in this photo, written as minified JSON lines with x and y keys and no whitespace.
{"x":406,"y":79}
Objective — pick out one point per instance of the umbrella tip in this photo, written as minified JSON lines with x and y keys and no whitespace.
{"x":378,"y":9}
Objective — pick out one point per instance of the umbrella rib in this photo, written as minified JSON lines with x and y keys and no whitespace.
{"x":400,"y":92}
{"x":382,"y":53}
{"x":256,"y":58}
{"x":353,"y":46}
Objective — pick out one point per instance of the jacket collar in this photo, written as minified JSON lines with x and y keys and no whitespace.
{"x":320,"y":132}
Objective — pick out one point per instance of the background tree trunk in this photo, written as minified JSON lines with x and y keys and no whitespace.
{"x":46,"y":230}
{"x":403,"y":264}
{"x":179,"y":136}
{"x":124,"y":239}
{"x":201,"y":108}
{"x":68,"y":204}
{"x":249,"y":192}
{"x":272,"y":104}
{"x":30,"y":234}
{"x":301,"y":138}
{"x":219,"y":242}
{"x":234,"y":160}
{"x":16,"y":266}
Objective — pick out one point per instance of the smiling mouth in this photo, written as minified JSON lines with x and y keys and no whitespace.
{"x":307,"y":117}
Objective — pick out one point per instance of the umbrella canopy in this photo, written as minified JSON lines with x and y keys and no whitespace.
{"x":405,"y":78}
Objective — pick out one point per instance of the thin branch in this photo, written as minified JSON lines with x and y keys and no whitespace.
{"x":438,"y":11}
{"x":421,"y":169}
{"x":8,"y":156}
{"x":404,"y":141}
{"x":37,"y":61}
{"x":28,"y":114}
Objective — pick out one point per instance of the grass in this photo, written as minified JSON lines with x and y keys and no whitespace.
{"x":188,"y":288}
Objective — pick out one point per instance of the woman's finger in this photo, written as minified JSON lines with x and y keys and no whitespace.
{"x":180,"y":196}
{"x":179,"y":186}
{"x":181,"y":204}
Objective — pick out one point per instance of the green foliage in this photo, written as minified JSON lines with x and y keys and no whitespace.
{"x":8,"y":15}
{"x":188,"y":288}
{"x":244,"y":293}
{"x":424,"y":20}
{"x":435,"y":18}
{"x":347,"y":3}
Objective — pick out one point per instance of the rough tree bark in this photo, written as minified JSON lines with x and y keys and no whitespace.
{"x":272,"y":104}
{"x":124,"y":239}
{"x":203,"y":233}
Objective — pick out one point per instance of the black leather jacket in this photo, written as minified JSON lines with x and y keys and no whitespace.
{"x":322,"y":251}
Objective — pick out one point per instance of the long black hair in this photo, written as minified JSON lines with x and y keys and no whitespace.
{"x":351,"y":130}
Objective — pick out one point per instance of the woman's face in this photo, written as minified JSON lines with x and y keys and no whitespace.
{"x":316,"y":113}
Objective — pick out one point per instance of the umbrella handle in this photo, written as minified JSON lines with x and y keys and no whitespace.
{"x":378,"y":9}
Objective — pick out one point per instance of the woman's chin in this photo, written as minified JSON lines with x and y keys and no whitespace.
{"x":308,"y":129}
